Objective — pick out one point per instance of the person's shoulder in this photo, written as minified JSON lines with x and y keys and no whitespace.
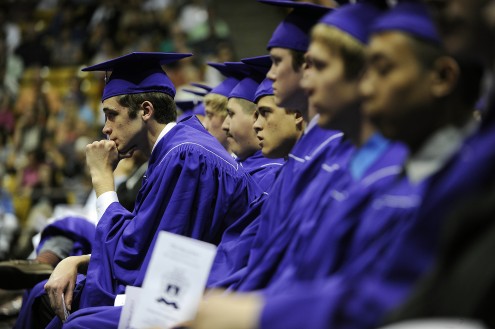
{"x":194,"y":141}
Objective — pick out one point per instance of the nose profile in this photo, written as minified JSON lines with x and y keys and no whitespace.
{"x":106,"y":130}
{"x":365,"y":85}
{"x":271,"y":73}
{"x":226,"y":124}
{"x":257,"y":125}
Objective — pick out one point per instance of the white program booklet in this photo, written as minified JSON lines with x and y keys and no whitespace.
{"x":437,"y":323}
{"x":173,"y":285}
{"x":129,"y":302}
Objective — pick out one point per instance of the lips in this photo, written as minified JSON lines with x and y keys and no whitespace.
{"x":261,"y":140}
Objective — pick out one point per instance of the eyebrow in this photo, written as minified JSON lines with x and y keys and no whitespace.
{"x":375,"y":57}
{"x":108,"y":109}
{"x":275,"y":58}
{"x":264,"y":108}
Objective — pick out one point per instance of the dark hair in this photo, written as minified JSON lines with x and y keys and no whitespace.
{"x":297,"y":59}
{"x":468,"y":87}
{"x":470,"y":80}
{"x":165,"y":110}
{"x":427,"y":52}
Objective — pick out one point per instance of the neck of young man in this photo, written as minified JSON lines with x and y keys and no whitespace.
{"x":350,"y":122}
{"x":453,"y":114}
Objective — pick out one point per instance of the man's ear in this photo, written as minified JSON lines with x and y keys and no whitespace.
{"x":299,"y":118}
{"x":148,"y":110}
{"x":445,"y":76}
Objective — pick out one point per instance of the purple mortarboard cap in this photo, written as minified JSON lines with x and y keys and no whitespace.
{"x":229,"y":70}
{"x":137,"y":72}
{"x":264,"y":89}
{"x":261,"y":64}
{"x":195,"y":106}
{"x":202,"y":86}
{"x":232,"y":79}
{"x":186,"y":108}
{"x":354,"y":19}
{"x":199,"y":109}
{"x":184,"y":115}
{"x":293,"y":32}
{"x":186,"y":105}
{"x":410,"y":17}
{"x":246,"y":88}
{"x":200,"y":93}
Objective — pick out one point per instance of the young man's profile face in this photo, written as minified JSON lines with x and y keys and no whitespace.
{"x":213,"y":123}
{"x":127,"y":133}
{"x":328,"y":90}
{"x":395,"y":87}
{"x":238,"y":126}
{"x":287,"y":92}
{"x":276,"y":128}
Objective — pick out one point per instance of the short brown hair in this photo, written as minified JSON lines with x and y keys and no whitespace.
{"x":247,"y":106}
{"x":165,"y":110}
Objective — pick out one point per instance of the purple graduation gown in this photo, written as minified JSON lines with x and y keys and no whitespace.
{"x":263,"y":170}
{"x":192,"y":187}
{"x":233,"y":250}
{"x":337,"y":268}
{"x":233,"y":254}
{"x":302,"y":165}
{"x":388,"y":252}
{"x":331,"y":196}
{"x":78,"y":229}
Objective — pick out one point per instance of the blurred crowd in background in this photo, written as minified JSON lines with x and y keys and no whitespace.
{"x":49,"y":109}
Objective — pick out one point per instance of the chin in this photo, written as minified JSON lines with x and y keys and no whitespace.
{"x":267,"y":153}
{"x":279,"y":101}
{"x":391,"y":133}
{"x":272,"y":156}
{"x":324,"y":121}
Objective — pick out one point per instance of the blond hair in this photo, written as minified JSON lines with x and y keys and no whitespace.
{"x":218,"y":103}
{"x":349,"y":48}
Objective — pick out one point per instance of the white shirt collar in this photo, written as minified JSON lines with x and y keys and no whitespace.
{"x":165,"y":130}
{"x":437,"y":150}
{"x":312,"y":123}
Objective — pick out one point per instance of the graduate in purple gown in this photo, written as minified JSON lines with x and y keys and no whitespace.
{"x":345,"y":177}
{"x":236,"y":242}
{"x":461,"y":282}
{"x":377,"y":268}
{"x":192,"y":186}
{"x":277,"y":129}
{"x":390,"y":247}
{"x":216,"y":103}
{"x":238,"y":126}
{"x":287,"y":46}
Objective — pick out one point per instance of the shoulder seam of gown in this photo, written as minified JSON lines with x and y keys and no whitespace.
{"x":236,"y":167}
{"x":381,"y":173}
{"x":322,"y":145}
{"x":272,"y":164}
{"x":296,"y":158}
